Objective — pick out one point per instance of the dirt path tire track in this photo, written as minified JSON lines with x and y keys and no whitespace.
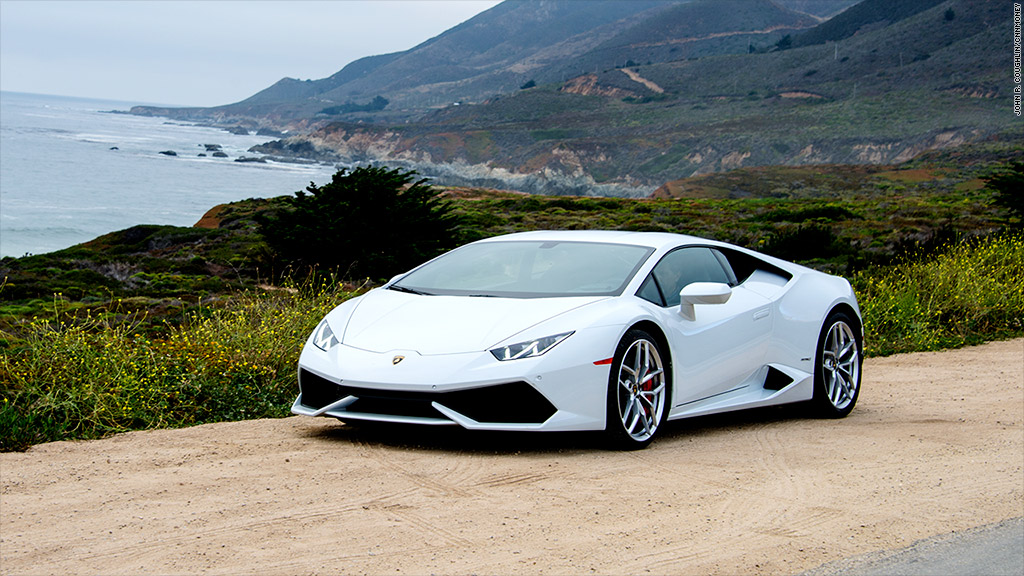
{"x":936,"y":444}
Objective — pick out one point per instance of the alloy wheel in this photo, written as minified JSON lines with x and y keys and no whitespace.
{"x":641,"y":390}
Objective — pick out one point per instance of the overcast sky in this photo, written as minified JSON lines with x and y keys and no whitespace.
{"x":203,"y":53}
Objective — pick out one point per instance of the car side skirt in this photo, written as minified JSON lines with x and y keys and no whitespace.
{"x":756,"y":391}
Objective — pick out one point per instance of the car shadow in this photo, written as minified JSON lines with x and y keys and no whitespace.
{"x":457,"y":439}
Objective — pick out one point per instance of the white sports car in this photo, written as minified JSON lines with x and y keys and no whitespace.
{"x":586,"y":330}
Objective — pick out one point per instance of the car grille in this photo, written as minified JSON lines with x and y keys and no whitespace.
{"x":514,"y":402}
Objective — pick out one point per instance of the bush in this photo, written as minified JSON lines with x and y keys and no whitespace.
{"x":1008,"y":188}
{"x":804,"y":242}
{"x":377,"y":104}
{"x":966,"y":294}
{"x":371,"y":222}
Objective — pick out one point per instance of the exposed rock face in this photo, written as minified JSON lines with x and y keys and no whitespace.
{"x":733,"y":160}
{"x":168,"y":152}
{"x":588,"y":86}
{"x":549,"y":182}
{"x":569,"y":165}
{"x":219,"y":154}
{"x":559,"y":171}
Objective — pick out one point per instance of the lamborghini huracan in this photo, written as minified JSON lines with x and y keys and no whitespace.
{"x":586,"y":330}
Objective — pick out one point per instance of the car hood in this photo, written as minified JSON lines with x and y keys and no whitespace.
{"x":388,"y":320}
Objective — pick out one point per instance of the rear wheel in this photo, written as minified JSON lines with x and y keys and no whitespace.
{"x":837,"y":366}
{"x":637,"y":391}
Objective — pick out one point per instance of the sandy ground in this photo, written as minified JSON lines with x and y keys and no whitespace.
{"x":935,"y":445}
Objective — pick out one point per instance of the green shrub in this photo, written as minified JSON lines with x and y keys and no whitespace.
{"x":805,"y":242}
{"x":1007,"y":186}
{"x":370,"y":222}
{"x":966,"y":294}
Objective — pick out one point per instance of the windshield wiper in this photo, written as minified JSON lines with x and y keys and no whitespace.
{"x":408,"y":290}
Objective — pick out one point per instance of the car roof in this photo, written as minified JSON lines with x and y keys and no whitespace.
{"x":654,"y":240}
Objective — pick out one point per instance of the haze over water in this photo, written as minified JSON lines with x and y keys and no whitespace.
{"x":61,"y":183}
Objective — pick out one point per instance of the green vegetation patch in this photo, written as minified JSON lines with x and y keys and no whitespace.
{"x":74,"y":375}
{"x":674,"y":157}
{"x":823,"y":212}
{"x":964,"y":294}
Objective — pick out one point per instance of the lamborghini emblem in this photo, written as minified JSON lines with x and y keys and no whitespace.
{"x":397,"y":359}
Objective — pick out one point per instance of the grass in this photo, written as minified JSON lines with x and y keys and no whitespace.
{"x":72,"y":375}
{"x":965,"y":294}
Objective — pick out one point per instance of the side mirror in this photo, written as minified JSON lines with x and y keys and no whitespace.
{"x":701,"y":293}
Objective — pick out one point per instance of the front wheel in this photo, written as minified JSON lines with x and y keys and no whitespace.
{"x":837,"y":366}
{"x":637,"y":391}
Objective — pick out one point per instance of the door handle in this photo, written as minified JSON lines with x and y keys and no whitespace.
{"x":762,"y":313}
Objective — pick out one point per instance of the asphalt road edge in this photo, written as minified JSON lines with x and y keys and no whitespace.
{"x":991,"y":550}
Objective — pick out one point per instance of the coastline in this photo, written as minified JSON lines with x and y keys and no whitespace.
{"x":73,"y":169}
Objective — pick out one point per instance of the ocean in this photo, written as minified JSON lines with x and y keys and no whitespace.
{"x":70,"y":170}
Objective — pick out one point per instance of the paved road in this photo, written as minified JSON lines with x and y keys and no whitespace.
{"x":992,"y":550}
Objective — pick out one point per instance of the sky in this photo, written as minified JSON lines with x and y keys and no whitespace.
{"x":206,"y":52}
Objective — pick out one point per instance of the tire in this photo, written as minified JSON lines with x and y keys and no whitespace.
{"x":837,"y":366}
{"x":638,"y":389}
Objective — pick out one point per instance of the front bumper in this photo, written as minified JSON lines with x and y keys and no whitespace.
{"x":471,"y":390}
{"x":500,"y":404}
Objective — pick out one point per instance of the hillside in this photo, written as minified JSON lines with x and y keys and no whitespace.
{"x":489,"y":54}
{"x":666,"y":91}
{"x":861,"y":18}
{"x":512,"y":44}
{"x":685,"y":31}
{"x":882,"y":96}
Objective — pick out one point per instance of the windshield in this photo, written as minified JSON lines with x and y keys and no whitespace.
{"x":528,"y":269}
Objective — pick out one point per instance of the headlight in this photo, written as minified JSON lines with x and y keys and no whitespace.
{"x":323,"y":336}
{"x":530,"y":348}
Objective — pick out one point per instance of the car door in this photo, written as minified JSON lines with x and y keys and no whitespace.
{"x":725,"y":344}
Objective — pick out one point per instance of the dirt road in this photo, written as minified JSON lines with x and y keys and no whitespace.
{"x":936,"y":444}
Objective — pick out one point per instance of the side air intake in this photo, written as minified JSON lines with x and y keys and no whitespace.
{"x":776,"y":379}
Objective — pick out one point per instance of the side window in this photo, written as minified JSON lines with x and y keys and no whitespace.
{"x":649,"y":291}
{"x":726,"y":266}
{"x":742,"y":265}
{"x":685,"y":266}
